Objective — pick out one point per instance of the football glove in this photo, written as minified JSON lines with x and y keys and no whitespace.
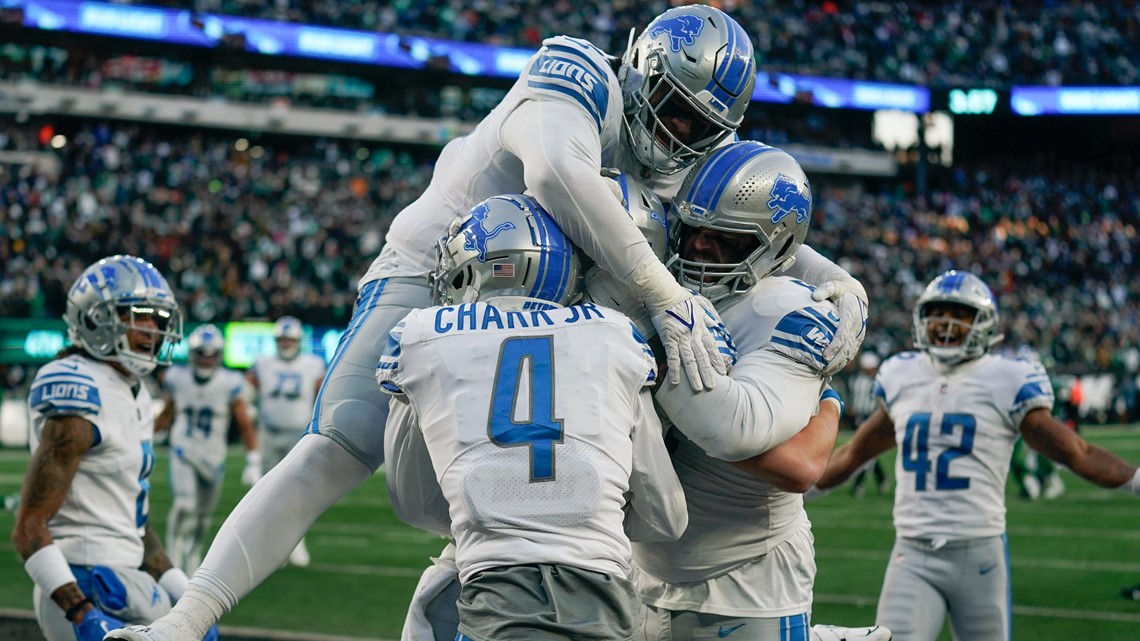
{"x":684,"y":328}
{"x":94,"y":625}
{"x":852,"y":304}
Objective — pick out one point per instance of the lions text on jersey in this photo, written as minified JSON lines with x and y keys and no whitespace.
{"x":955,"y":429}
{"x":104,"y":515}
{"x":198,"y":434}
{"x":534,"y":432}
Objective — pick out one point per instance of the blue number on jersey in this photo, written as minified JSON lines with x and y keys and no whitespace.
{"x":916,"y":450}
{"x":202,"y":420}
{"x":141,"y":513}
{"x":542,"y":430}
{"x":288,"y":385}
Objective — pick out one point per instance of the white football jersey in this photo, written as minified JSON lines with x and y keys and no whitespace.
{"x":285,"y":390}
{"x":532,"y":420}
{"x":475,"y":167}
{"x":955,"y":428}
{"x":734,"y":517}
{"x":198,"y":433}
{"x":103,"y":517}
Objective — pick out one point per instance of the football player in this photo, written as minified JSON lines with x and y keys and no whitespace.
{"x":200,"y":401}
{"x":680,"y":91}
{"x":536,"y":438}
{"x":288,"y":385}
{"x":543,"y":439}
{"x":954,"y":411}
{"x":83,"y":525}
{"x":746,"y":449}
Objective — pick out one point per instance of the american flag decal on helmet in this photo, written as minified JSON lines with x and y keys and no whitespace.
{"x":503,"y":270}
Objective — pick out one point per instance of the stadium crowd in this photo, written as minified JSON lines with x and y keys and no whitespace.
{"x":251,"y":231}
{"x":928,"y":43}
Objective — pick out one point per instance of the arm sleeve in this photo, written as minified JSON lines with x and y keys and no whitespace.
{"x":656,"y":507}
{"x":560,"y":150}
{"x":765,"y":400}
{"x":266,"y":525}
{"x":416,"y":495}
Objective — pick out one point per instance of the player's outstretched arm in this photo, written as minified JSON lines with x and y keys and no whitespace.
{"x":873,"y":437}
{"x":797,"y":464}
{"x":1052,"y":439}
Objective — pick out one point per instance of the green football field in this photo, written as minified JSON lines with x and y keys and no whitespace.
{"x":1071,"y":556}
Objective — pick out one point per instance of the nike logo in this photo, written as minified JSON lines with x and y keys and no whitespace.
{"x":724,"y":632}
{"x":986,"y":569}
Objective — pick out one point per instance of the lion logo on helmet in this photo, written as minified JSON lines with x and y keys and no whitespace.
{"x":682,"y":29}
{"x":786,"y":198}
{"x":476,"y":236}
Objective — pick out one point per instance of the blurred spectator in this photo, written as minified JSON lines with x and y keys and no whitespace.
{"x":242,"y":230}
{"x":248,"y":230}
{"x":927,"y":42}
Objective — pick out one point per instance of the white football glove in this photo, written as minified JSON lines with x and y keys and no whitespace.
{"x":851,"y":299}
{"x":251,"y":473}
{"x":725,"y":348}
{"x":684,"y":328}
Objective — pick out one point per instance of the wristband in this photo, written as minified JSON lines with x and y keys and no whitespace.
{"x":48,"y":569}
{"x":1132,"y":486}
{"x":174,"y":581}
{"x":832,"y":395}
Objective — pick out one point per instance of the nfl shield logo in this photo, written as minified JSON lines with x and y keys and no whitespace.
{"x":503,"y":270}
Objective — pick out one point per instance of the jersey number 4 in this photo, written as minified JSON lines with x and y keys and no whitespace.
{"x":916,"y":450}
{"x":526,"y":373}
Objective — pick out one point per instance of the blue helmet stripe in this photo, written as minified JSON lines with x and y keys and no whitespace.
{"x":540,"y":230}
{"x":719,"y":171}
{"x":738,"y":63}
{"x":951,"y":281}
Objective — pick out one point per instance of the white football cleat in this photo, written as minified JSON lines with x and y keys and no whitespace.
{"x":837,"y":633}
{"x":300,"y":555}
{"x":1032,"y":487}
{"x":1054,"y":487}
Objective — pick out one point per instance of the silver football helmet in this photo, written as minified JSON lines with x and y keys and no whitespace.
{"x":111,"y":298}
{"x":507,"y":248}
{"x":287,"y":331}
{"x":742,"y":188}
{"x":967,"y":290}
{"x":206,"y":345}
{"x":693,"y":62}
{"x":646,"y":211}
